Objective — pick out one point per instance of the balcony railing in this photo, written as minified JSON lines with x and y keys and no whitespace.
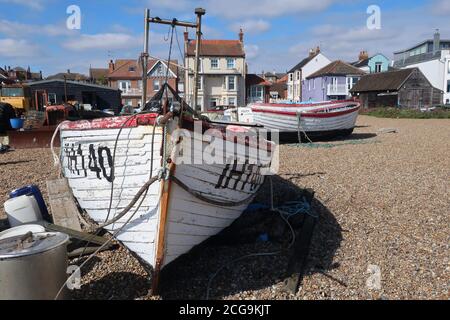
{"x":337,"y":90}
{"x":131,"y":92}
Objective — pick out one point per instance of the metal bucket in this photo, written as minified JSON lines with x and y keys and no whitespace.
{"x":33,"y":267}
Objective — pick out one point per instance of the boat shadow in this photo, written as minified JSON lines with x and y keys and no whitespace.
{"x":259,"y":231}
{"x":289,"y":138}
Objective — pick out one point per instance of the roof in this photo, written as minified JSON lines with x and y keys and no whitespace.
{"x":253,"y":79}
{"x":217,"y":48}
{"x":304,"y":62}
{"x":421,"y":44}
{"x":124,"y":68}
{"x":69,"y":76}
{"x":97,"y":73}
{"x":361,"y":63}
{"x":336,"y":68}
{"x":20,"y":69}
{"x":31,"y":84}
{"x":383,"y":81}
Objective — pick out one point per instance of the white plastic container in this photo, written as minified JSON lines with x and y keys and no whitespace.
{"x":21,"y":210}
{"x":21,"y":230}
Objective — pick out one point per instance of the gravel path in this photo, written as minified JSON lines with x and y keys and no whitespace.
{"x":384,"y":200}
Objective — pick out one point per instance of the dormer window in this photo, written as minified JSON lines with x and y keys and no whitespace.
{"x":132,"y":69}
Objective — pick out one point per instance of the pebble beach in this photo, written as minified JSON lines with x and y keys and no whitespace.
{"x":383,"y":197}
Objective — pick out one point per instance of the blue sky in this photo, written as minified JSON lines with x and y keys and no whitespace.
{"x":278,"y":33}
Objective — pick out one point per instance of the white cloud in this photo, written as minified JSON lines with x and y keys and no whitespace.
{"x":108,"y":41}
{"x":251,"y":26}
{"x":441,"y":7}
{"x":12,"y":48}
{"x":251,"y":51}
{"x":17,"y":29}
{"x":32,"y":4}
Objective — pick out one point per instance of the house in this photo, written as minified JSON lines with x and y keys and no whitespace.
{"x":374,"y":64}
{"x":222,"y":72}
{"x":70,"y":76}
{"x":315,"y":61}
{"x":126,"y":75}
{"x":4,"y":78}
{"x":57,"y":91}
{"x":98,"y":76}
{"x":407,"y":88}
{"x":332,"y":82}
{"x":272,"y":77}
{"x":432,"y":57}
{"x":258,"y":89}
{"x":19,"y":74}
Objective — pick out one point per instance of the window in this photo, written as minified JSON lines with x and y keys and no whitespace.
{"x":200,"y":83}
{"x":256,"y":93}
{"x":231,"y":83}
{"x":132,"y":69}
{"x":52,"y":98}
{"x":448,"y":86}
{"x":314,"y":83}
{"x":214,"y":63}
{"x":124,"y":85}
{"x":140,"y":84}
{"x":231,"y":63}
{"x":232,"y":101}
{"x":449,"y":67}
{"x":156,"y":86}
{"x":291,"y":77}
{"x":289,"y":90}
{"x":309,"y":85}
{"x":298,"y":75}
{"x":378,"y":67}
{"x":213,"y":103}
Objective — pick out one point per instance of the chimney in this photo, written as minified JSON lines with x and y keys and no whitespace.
{"x":437,"y":41}
{"x":111,"y":66}
{"x":241,"y":36}
{"x":40,"y":75}
{"x":68,"y":71}
{"x":363,"y":55}
{"x":317,"y":49}
{"x":312,"y":52}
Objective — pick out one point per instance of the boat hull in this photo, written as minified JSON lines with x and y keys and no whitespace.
{"x":204,"y":198}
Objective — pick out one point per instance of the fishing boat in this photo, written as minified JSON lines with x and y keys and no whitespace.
{"x":322,"y":119}
{"x":108,"y":161}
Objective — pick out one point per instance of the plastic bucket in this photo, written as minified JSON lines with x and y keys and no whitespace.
{"x":16,"y":123}
{"x":36,"y":192}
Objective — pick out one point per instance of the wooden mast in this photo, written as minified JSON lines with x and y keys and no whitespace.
{"x":166,"y":182}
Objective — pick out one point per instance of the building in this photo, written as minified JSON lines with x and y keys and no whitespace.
{"x":4,"y":77}
{"x":272,"y":77}
{"x":407,"y":88}
{"x":126,"y":75}
{"x":432,"y":57}
{"x":19,"y":74}
{"x":222,"y":72}
{"x":70,"y":76}
{"x":257,"y":88}
{"x":98,"y":76}
{"x":373,"y":64}
{"x":315,"y":61}
{"x":332,"y":82}
{"x":58,"y":91}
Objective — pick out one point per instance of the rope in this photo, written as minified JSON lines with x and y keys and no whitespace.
{"x":286,"y":211}
{"x":331,"y":145}
{"x":198,"y":195}
{"x":300,"y":128}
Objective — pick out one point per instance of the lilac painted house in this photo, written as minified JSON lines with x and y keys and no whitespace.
{"x":332,"y":82}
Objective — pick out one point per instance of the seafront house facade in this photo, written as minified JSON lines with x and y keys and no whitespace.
{"x":295,"y":77}
{"x":222,"y":72}
{"x":374,"y":64}
{"x":332,"y":82}
{"x":432,"y":57}
{"x":126,"y":75}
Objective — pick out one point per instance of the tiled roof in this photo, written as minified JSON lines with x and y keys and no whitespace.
{"x":217,"y":48}
{"x":69,"y":76}
{"x":97,"y":73}
{"x":383,"y":81}
{"x":337,"y":68}
{"x":302,"y":63}
{"x":253,"y":79}
{"x":361,"y":63}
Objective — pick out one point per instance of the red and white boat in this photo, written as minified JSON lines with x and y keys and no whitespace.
{"x":193,"y":199}
{"x":315,"y":119}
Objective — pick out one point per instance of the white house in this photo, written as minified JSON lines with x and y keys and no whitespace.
{"x":432,"y":57}
{"x":221,"y":73}
{"x":314,"y":62}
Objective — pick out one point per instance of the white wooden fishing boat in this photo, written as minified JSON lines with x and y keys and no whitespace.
{"x":197,"y":201}
{"x":314,"y":119}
